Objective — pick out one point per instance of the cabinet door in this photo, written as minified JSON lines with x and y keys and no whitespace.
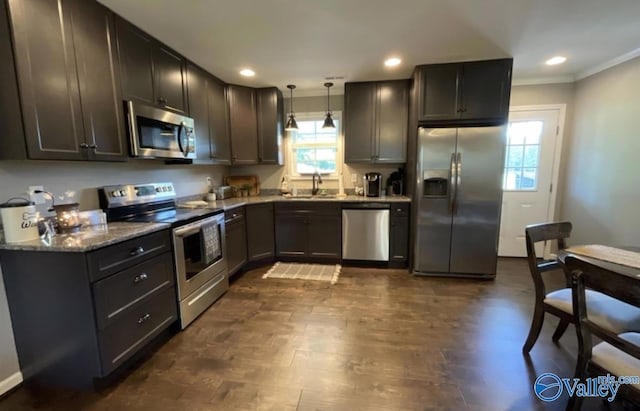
{"x":99,"y":79}
{"x":439,"y":92}
{"x":399,"y":239}
{"x":291,"y":236}
{"x":220,"y":143}
{"x":359,"y":122}
{"x":198,"y":109}
{"x":325,"y":237}
{"x":243,"y":125}
{"x":486,"y":86}
{"x":136,"y":62}
{"x":47,"y":79}
{"x":12,"y":145}
{"x":270,"y":113}
{"x":168,"y":70}
{"x":236,"y":246}
{"x":392,"y":117}
{"x":260,"y":234}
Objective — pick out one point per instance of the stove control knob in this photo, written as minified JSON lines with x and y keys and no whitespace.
{"x":123,"y":193}
{"x":115,"y":193}
{"x":158,"y":189}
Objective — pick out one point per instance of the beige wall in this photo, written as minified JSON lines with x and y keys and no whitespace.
{"x":270,"y":176}
{"x":563,"y":93}
{"x":602,"y":193}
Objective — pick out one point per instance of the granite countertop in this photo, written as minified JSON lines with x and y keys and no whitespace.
{"x":92,"y":238}
{"x":234,"y":202}
{"x":89,"y":238}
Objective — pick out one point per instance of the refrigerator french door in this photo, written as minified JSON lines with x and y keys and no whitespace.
{"x":458,"y":198}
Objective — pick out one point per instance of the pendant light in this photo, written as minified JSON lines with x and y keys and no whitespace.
{"x":291,"y":123}
{"x":328,"y":121}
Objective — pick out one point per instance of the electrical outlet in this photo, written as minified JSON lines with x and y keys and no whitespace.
{"x":37,"y":198}
{"x":354,"y":178}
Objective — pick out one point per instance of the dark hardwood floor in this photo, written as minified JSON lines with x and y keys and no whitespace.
{"x":377,"y":340}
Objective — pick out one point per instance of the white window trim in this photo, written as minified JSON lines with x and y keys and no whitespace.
{"x":289,"y":161}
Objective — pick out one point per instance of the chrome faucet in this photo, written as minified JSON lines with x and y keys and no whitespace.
{"x":315,"y":186}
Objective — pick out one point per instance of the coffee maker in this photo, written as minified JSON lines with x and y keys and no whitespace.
{"x":395,"y":183}
{"x":372,"y":184}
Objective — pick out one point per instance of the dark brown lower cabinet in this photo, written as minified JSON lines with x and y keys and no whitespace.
{"x":236,"y":239}
{"x":75,"y":321}
{"x":260,"y":233}
{"x":308,"y":230}
{"x":399,"y":234}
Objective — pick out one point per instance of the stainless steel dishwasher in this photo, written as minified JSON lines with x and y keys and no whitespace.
{"x":365,"y":231}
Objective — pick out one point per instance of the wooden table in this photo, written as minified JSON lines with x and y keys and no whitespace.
{"x":622,"y":269}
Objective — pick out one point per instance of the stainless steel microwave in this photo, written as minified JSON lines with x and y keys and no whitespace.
{"x":157,"y":133}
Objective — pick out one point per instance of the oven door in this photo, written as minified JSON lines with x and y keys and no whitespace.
{"x":158,"y":133}
{"x":199,"y":254}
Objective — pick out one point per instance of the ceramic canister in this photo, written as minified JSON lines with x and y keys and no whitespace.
{"x":19,"y":220}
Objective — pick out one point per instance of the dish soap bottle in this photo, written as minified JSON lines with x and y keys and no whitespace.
{"x":284,"y":185}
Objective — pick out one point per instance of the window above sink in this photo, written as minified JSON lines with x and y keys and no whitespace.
{"x":313,"y":148}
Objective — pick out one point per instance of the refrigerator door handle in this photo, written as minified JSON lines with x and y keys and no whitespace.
{"x":452,"y":182}
{"x":458,"y":182}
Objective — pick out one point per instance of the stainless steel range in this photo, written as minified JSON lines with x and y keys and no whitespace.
{"x":198,"y":240}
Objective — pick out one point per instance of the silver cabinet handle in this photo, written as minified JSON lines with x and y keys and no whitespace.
{"x":137,"y":251}
{"x":144,"y":318}
{"x":93,"y":146}
{"x":139,"y":278}
{"x":84,"y":145}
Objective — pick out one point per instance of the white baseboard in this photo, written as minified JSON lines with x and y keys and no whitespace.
{"x":10,"y":382}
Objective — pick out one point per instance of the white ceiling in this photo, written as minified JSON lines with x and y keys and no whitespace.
{"x":303,"y":41}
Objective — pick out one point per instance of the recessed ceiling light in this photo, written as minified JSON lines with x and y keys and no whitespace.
{"x":247,"y":72}
{"x":556,"y":60}
{"x":392,"y":62}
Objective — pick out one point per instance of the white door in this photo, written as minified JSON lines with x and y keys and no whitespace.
{"x":529,"y":175}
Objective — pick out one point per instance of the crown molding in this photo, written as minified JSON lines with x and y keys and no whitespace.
{"x":608,"y":64}
{"x":531,"y":81}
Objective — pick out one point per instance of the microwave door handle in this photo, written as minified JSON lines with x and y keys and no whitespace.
{"x":182,"y":129}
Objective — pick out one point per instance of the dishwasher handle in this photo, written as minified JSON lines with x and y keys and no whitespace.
{"x":367,"y":206}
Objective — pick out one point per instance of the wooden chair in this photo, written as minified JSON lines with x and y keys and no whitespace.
{"x":619,"y":353}
{"x":608,"y":312}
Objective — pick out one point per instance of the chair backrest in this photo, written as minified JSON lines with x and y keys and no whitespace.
{"x":544,"y":232}
{"x":615,"y":284}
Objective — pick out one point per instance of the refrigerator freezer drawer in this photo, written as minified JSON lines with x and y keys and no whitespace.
{"x":365,"y":235}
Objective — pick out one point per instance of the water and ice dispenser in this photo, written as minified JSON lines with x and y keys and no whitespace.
{"x":435,"y":183}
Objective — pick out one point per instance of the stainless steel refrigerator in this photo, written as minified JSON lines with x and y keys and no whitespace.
{"x":458,"y":200}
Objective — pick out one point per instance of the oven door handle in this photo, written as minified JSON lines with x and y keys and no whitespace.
{"x":186,"y":231}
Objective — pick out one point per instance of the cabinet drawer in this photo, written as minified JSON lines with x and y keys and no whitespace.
{"x":399,"y":209}
{"x":308,"y":207}
{"x":112,"y":259}
{"x":113,"y":295}
{"x":135,"y":328}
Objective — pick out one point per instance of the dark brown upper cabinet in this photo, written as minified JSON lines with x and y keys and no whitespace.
{"x":270,"y":117}
{"x":208,"y":107}
{"x":471,"y":92}
{"x":243,"y":124}
{"x":68,"y":80}
{"x":376,"y":120}
{"x":255,"y":125}
{"x":151,"y":72}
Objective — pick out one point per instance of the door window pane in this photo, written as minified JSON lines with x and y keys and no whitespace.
{"x":522,"y":156}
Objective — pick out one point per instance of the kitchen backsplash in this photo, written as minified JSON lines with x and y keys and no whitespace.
{"x":62,"y":178}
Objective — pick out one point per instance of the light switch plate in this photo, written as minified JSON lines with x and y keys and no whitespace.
{"x":354,"y":178}
{"x":37,"y":198}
